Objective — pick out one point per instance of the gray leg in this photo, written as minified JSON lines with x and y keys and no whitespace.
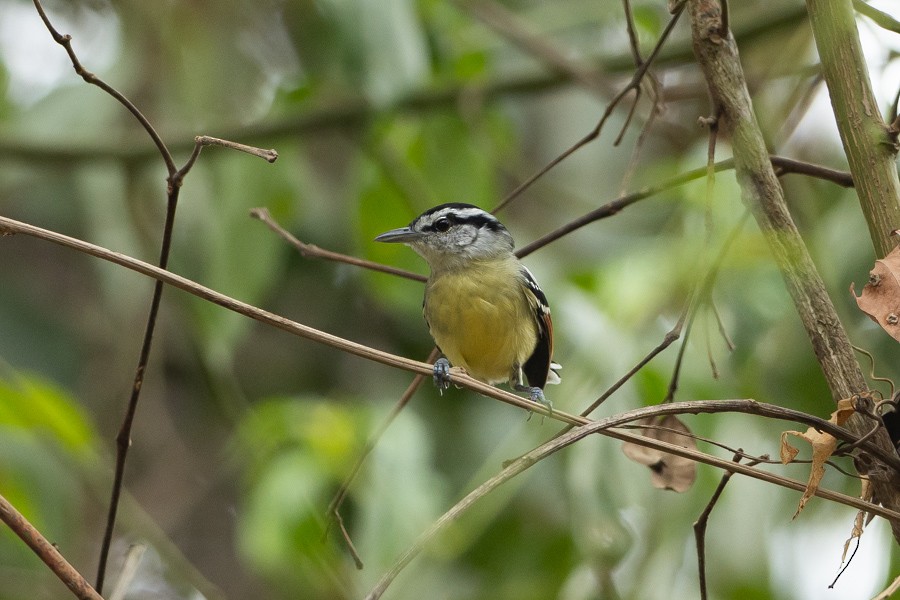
{"x":442,"y":374}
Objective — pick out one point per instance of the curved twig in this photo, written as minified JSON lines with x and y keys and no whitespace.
{"x":602,"y":426}
{"x":174,"y":181}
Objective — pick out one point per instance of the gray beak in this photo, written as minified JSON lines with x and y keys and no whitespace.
{"x":403,"y":235}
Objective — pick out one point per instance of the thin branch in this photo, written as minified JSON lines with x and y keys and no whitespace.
{"x":882,"y":19}
{"x":786,"y":165}
{"x":335,"y":506}
{"x":615,"y":206}
{"x":761,"y":191}
{"x":729,"y":344}
{"x":201,"y":141}
{"x":47,"y":552}
{"x":270,"y":155}
{"x":635,"y":46}
{"x":671,"y":336}
{"x":10,"y":226}
{"x":712,"y":125}
{"x":724,"y":27}
{"x":634,"y":84}
{"x":679,"y":357}
{"x":633,"y":43}
{"x":313,"y":251}
{"x":66,"y":42}
{"x":174,"y":182}
{"x":603,"y":425}
{"x":872,"y":374}
{"x":713,"y":367}
{"x":335,"y":516}
{"x":789,"y":165}
{"x":846,"y":566}
{"x":628,"y":117}
{"x":701,"y":523}
{"x":123,"y":438}
{"x":639,"y":143}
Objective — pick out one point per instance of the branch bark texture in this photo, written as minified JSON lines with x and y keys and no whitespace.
{"x":718,"y":57}
{"x":47,"y":552}
{"x":871,"y":149}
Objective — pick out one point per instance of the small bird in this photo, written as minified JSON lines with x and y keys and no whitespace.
{"x":483,"y":307}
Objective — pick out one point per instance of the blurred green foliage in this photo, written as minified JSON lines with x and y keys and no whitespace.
{"x":379,"y":110}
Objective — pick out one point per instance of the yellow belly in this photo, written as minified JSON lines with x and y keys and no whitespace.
{"x":482,"y":324}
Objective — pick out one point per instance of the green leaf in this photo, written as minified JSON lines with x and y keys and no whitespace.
{"x":40,"y":407}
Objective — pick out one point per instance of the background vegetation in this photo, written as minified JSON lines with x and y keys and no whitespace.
{"x":379,"y":110}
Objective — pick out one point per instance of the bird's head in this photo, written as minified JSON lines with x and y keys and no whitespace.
{"x":450,"y":235}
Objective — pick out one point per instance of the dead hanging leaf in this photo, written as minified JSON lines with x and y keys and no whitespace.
{"x":880,"y":298}
{"x":823,"y":445}
{"x":668,"y":472}
{"x":860,"y":521}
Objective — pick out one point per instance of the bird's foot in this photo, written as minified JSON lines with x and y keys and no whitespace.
{"x":536,"y":395}
{"x":441,"y":374}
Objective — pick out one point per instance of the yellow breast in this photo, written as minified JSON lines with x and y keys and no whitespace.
{"x":481,"y":320}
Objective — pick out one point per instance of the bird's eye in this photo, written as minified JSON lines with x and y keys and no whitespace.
{"x":442,"y":225}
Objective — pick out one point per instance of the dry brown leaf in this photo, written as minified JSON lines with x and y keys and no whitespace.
{"x":668,"y":471}
{"x":823,"y":445}
{"x":860,"y":521}
{"x":880,"y":298}
{"x":788,"y":452}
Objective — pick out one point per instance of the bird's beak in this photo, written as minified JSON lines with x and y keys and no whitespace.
{"x":403,"y":235}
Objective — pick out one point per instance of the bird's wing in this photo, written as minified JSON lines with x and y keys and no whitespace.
{"x":538,"y":367}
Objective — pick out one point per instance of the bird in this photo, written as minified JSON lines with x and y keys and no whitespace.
{"x":483,"y":307}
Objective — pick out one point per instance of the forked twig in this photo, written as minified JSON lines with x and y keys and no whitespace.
{"x":634,"y":84}
{"x":335,"y":506}
{"x":174,"y":182}
{"x":703,"y":290}
{"x":702,"y":521}
{"x":604,"y":426}
{"x":65,"y":41}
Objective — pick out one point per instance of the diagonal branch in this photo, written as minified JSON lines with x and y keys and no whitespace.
{"x":65,"y":41}
{"x":604,"y":426}
{"x":870,"y":146}
{"x":311,"y":250}
{"x":783,"y":164}
{"x":633,"y":85}
{"x":10,"y":226}
{"x":47,"y":552}
{"x":718,"y":57}
{"x":123,"y":438}
{"x":174,"y":181}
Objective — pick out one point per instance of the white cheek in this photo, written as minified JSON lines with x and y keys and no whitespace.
{"x":468,"y":239}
